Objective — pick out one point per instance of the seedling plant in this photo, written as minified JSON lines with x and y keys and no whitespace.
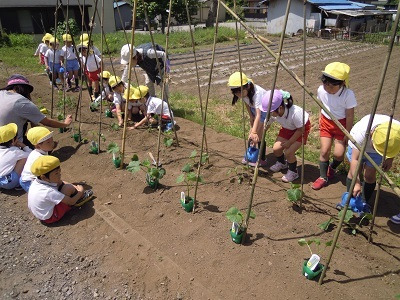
{"x":241,"y":172}
{"x":153,"y":174}
{"x":116,"y":153}
{"x":294,"y":193}
{"x":237,"y":217}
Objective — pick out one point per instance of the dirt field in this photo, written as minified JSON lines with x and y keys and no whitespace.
{"x":135,"y":243}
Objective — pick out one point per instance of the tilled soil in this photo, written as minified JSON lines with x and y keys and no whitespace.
{"x":132,"y":242}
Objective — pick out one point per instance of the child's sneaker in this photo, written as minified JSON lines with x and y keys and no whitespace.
{"x":395,"y":219}
{"x":278,"y":166}
{"x":85,"y":198}
{"x":290,"y":176}
{"x":77,"y":89}
{"x":331,"y":172}
{"x":319,"y":184}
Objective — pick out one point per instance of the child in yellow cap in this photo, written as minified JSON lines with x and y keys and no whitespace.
{"x":49,"y":198}
{"x":136,"y":109}
{"x":13,"y":154}
{"x":153,"y":108}
{"x":69,"y":60}
{"x":42,"y":48}
{"x":106,"y":91}
{"x":118,"y":87}
{"x":42,"y":139}
{"x":340,"y":101}
{"x":375,"y":148}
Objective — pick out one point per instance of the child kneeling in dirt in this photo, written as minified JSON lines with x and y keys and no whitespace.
{"x":136,"y":109}
{"x":49,"y":198}
{"x":42,"y":139}
{"x":155,"y":108}
{"x":12,"y":157}
{"x":118,"y":87}
{"x":289,"y":138}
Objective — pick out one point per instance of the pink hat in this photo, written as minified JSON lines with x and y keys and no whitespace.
{"x":17,"y":79}
{"x":276,"y":101}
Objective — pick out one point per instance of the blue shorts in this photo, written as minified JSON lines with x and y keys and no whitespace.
{"x":377,"y":158}
{"x":25,"y":184}
{"x":263,"y":114}
{"x":56,"y":68}
{"x":9,"y":181}
{"x":72,"y":65}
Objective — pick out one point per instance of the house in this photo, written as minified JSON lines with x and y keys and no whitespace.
{"x":122,"y":15}
{"x":202,"y":11}
{"x":320,"y":14}
{"x":37,"y":17}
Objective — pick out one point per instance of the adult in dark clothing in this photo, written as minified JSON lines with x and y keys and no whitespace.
{"x":145,"y":57}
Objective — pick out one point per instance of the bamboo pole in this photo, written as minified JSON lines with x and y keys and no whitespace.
{"x":65,"y":59}
{"x":129,"y":82}
{"x":362,"y":152}
{"x":318,"y":102}
{"x":101,"y":76}
{"x":54,"y":58}
{"x":205,"y":108}
{"x":195,"y":63}
{"x":304,"y":100}
{"x":277,"y":61}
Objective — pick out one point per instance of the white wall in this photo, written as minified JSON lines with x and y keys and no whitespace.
{"x":109,"y":22}
{"x":276,"y":16}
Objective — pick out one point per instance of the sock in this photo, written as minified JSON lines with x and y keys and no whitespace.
{"x":76,"y":82}
{"x":293,"y":166}
{"x":281,"y":159}
{"x":348,"y":183}
{"x":50,"y":76}
{"x":54,"y":82}
{"x":90,"y":89}
{"x":323,"y":169}
{"x":368,"y":190}
{"x":335,"y":163}
{"x":69,"y":82}
{"x":96,"y":94}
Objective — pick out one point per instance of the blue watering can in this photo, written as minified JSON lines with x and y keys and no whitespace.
{"x":252,"y":154}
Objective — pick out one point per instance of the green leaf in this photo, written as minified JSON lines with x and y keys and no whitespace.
{"x":348,"y":216}
{"x":368,"y":216}
{"x":180,"y":178}
{"x":317,"y":242}
{"x":162,"y":172}
{"x":234,"y":215}
{"x":134,"y":166}
{"x":187,"y":168}
{"x":113,"y":148}
{"x":204,"y":158}
{"x":168,"y":142}
{"x":325,"y":225}
{"x":191,"y":176}
{"x":252,"y":215}
{"x":329,"y":243}
{"x":354,"y":232}
{"x":146,"y":163}
{"x":115,"y":126}
{"x":135,"y":157}
{"x":200,"y":179}
{"x":295,"y":185}
{"x":294,"y":195}
{"x":154,"y":173}
{"x":302,"y":242}
{"x":193,"y":154}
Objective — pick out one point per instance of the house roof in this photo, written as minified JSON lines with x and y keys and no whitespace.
{"x":359,"y":13}
{"x":37,"y":3}
{"x":340,"y":5}
{"x":119,"y":3}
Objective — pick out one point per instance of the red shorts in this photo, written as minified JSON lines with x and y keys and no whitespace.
{"x":41,"y":59}
{"x":93,"y":76}
{"x":59,"y":211}
{"x":287,"y":133}
{"x":327,"y":128}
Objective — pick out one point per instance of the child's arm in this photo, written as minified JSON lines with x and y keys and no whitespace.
{"x":253,"y":133}
{"x":119,"y":114}
{"x":72,"y":200}
{"x":142,"y":121}
{"x":37,"y":52}
{"x":349,"y":120}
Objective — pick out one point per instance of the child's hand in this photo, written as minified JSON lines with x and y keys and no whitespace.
{"x":254,"y":137}
{"x":68,"y":120}
{"x":79,"y":188}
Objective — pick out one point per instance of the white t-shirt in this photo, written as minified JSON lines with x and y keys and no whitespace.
{"x":42,"y":48}
{"x":93,"y":62}
{"x":291,"y":119}
{"x":150,"y":53}
{"x":259,"y":93}
{"x":42,"y":197}
{"x":68,"y":53}
{"x":26,"y":174}
{"x":9,"y":158}
{"x":337,"y":103}
{"x":153,"y":105}
{"x":358,"y":130}
{"x":117,"y":99}
{"x":96,"y":51}
{"x":50,"y":55}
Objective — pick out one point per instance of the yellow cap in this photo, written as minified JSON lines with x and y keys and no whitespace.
{"x":114,"y":81}
{"x":234,"y":80}
{"x":338,"y":71}
{"x":38,"y":134}
{"x":8,"y":132}
{"x":44,"y":164}
{"x":53,"y":39}
{"x":379,"y":139}
{"x":140,"y":92}
{"x":105,"y":74}
{"x":84,"y":38}
{"x":47,"y":37}
{"x":67,"y":37}
{"x":131,"y":93}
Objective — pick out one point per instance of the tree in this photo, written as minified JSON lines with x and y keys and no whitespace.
{"x":160,"y":7}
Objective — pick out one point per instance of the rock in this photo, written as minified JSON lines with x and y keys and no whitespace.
{"x":120,"y":196}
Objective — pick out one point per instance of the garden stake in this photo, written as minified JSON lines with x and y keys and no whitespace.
{"x":241,"y":87}
{"x":367,"y":134}
{"x":304,"y":103}
{"x":129,"y":82}
{"x":101,"y":77}
{"x":378,"y":189}
{"x":54,"y":59}
{"x":196,"y":66}
{"x":255,"y":175}
{"x":205,"y":108}
{"x":318,"y":102}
